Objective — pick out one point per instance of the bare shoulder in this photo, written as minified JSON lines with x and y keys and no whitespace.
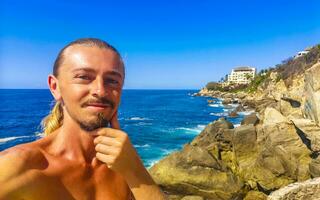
{"x":16,"y":163}
{"x":24,"y":156}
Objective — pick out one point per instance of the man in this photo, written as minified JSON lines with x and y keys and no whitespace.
{"x":84,"y":154}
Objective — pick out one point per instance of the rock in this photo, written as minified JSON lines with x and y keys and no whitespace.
{"x":210,"y":101}
{"x":233,"y":114}
{"x":312,"y":93}
{"x":244,"y":141}
{"x":220,"y":131}
{"x":255,"y":195}
{"x":277,"y":160}
{"x":309,"y":189}
{"x":273,"y":117}
{"x":314,"y":167}
{"x":290,"y":107}
{"x":239,"y":108}
{"x":189,"y":197}
{"x":175,"y":197}
{"x":309,"y":133}
{"x":250,"y":119}
{"x":241,"y":95}
{"x":227,"y":101}
{"x":195,"y":170}
{"x":179,"y":174}
{"x":284,"y":154}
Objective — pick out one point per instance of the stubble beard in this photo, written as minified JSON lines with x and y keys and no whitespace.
{"x":89,"y":126}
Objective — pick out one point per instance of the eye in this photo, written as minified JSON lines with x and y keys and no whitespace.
{"x":84,"y":77}
{"x":112,"y":81}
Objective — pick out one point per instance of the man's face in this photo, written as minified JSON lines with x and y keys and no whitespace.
{"x":90,"y":81}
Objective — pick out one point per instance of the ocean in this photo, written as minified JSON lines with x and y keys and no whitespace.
{"x":158,"y":122}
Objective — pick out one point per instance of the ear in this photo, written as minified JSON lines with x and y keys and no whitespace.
{"x":54,"y":87}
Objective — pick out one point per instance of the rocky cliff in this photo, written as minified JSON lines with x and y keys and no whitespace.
{"x":276,"y":146}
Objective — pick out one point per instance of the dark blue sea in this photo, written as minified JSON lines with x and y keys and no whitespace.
{"x":158,"y":122}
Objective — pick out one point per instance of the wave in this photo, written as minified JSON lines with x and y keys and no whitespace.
{"x":214,"y":105}
{"x":141,"y":146}
{"x":248,"y":112}
{"x":233,"y":105}
{"x":7,"y":139}
{"x":236,"y":125}
{"x":195,"y":130}
{"x":138,"y":118}
{"x":223,"y":114}
{"x":143,"y":124}
{"x":150,"y":162}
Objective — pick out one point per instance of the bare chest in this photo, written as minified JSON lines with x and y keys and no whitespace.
{"x":77,"y":183}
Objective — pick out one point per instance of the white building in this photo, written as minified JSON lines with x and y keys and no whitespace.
{"x":241,"y":75}
{"x":301,"y":53}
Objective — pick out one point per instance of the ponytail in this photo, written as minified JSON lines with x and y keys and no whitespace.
{"x":54,"y":120}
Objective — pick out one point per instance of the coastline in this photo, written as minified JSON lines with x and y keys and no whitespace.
{"x":277,"y":145}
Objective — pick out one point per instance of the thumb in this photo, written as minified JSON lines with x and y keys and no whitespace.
{"x":114,"y":122}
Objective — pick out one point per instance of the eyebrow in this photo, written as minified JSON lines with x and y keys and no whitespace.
{"x":115,"y":73}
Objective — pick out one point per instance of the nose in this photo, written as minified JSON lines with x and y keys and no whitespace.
{"x":99,"y":88}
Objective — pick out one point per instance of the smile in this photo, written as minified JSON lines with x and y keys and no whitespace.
{"x":98,"y":106}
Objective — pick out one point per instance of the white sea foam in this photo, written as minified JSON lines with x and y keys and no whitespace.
{"x":200,"y":126}
{"x":195,"y":130}
{"x":4,"y":140}
{"x":138,"y":118}
{"x":224,"y":114}
{"x":234,"y":105}
{"x":236,"y":125}
{"x":214,"y":105}
{"x":246,"y":112}
{"x":143,"y":124}
{"x":142,"y":146}
{"x":150,"y":163}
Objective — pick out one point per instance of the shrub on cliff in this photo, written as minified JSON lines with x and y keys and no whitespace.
{"x":293,"y":67}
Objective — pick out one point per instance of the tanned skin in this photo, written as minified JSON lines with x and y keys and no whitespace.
{"x":72,"y":163}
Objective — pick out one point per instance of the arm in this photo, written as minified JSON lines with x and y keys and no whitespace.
{"x":142,"y":185}
{"x":114,"y":148}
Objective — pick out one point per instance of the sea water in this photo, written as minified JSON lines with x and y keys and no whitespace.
{"x":158,"y":122}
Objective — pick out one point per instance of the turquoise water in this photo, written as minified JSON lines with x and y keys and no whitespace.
{"x":157,"y":121}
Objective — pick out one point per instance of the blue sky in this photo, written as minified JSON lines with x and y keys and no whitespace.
{"x":165,"y":44}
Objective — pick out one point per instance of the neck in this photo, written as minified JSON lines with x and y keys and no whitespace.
{"x":73,"y":143}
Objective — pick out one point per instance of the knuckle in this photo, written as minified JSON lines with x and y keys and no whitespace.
{"x":98,"y":147}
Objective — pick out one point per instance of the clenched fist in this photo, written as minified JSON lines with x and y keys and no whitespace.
{"x":115,"y":149}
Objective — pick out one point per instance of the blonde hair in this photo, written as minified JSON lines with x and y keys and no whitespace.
{"x":54,"y":120}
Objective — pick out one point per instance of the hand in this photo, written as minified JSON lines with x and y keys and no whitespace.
{"x":114,"y":148}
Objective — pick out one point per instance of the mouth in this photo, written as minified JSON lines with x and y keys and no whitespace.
{"x":98,"y":106}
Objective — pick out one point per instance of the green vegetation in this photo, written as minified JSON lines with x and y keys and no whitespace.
{"x":287,"y":70}
{"x":252,"y":87}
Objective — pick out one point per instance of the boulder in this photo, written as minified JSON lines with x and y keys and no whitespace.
{"x":277,"y":160}
{"x":240,"y":108}
{"x":233,"y":114}
{"x":290,"y":107}
{"x":244,"y":141}
{"x":255,"y":195}
{"x":227,"y":101}
{"x":314,"y":167}
{"x":186,"y":172}
{"x":192,"y":197}
{"x":312,"y":93}
{"x":220,"y":131}
{"x":309,"y":132}
{"x":250,"y":119}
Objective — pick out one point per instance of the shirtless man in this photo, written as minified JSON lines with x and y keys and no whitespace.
{"x":84,"y":154}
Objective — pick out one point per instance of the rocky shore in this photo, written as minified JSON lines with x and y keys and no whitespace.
{"x":274,"y":147}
